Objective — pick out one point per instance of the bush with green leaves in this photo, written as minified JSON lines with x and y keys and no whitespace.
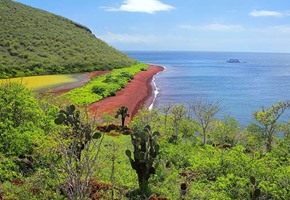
{"x":21,"y":125}
{"x":97,"y":89}
{"x":103,"y":86}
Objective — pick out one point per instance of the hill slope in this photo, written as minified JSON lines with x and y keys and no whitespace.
{"x":33,"y":41}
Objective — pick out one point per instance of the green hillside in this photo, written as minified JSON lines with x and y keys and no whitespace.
{"x":34,"y":42}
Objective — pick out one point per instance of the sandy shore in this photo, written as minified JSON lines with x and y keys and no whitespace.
{"x":136,"y":94}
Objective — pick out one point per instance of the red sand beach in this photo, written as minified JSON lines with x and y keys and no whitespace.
{"x":133,"y":96}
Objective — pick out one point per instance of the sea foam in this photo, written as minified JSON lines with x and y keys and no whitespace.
{"x":156,"y":89}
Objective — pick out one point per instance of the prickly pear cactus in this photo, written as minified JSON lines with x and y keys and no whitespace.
{"x":80,"y":134}
{"x":146,"y":149}
{"x":256,"y":192}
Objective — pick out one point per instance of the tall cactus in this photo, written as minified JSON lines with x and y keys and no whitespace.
{"x":123,"y":111}
{"x":145,"y":152}
{"x":80,"y":134}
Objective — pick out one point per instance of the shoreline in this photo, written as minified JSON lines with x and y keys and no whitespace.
{"x":156,"y":89}
{"x":138,"y":93}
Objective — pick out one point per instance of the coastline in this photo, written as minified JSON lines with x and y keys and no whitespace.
{"x":155,"y":91}
{"x":138,"y":93}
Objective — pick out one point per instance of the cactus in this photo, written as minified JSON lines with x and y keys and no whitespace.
{"x":81,"y":132}
{"x":123,"y":111}
{"x":78,"y":153}
{"x":256,"y":192}
{"x":183,"y":189}
{"x":145,"y":152}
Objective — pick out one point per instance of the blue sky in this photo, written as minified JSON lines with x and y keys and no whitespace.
{"x":194,"y":25}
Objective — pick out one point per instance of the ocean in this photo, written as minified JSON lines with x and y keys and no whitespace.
{"x":260,"y":79}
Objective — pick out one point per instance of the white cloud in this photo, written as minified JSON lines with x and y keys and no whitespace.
{"x":224,"y":27}
{"x":282,"y":29}
{"x":149,"y":40}
{"x":146,"y":6}
{"x":127,"y":38}
{"x":265,"y":13}
{"x":186,"y":26}
{"x":272,"y":39}
{"x":278,"y":30}
{"x":215,"y":27}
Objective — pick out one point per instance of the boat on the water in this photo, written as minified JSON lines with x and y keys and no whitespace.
{"x":233,"y":60}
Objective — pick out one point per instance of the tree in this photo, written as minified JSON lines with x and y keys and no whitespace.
{"x":146,"y":117}
{"x":268,"y":119}
{"x":166,"y":110}
{"x":226,"y":132}
{"x":204,"y":112}
{"x":123,"y":112}
{"x":178,"y":112}
{"x":285,"y":128}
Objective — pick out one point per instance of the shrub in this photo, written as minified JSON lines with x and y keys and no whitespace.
{"x":98,"y":90}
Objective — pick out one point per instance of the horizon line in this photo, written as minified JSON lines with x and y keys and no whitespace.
{"x":204,"y":51}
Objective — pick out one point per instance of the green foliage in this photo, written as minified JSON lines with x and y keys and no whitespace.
{"x":225,"y":132}
{"x":221,"y":171}
{"x":40,"y":186}
{"x":8,"y":169}
{"x":15,"y":99}
{"x":24,"y":124}
{"x":204,"y":111}
{"x":124,"y":177}
{"x":33,"y":164}
{"x":21,"y":126}
{"x":268,"y":118}
{"x":35,"y":42}
{"x":224,"y":174}
{"x":103,"y":86}
{"x":178,"y":112}
{"x":97,"y":89}
{"x":146,"y":117}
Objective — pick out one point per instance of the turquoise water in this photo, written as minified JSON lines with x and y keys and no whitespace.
{"x":260,"y":79}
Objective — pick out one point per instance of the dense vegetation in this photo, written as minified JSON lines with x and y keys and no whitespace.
{"x":49,"y":150}
{"x":104,"y":86}
{"x":35,"y":42}
{"x":54,"y":151}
